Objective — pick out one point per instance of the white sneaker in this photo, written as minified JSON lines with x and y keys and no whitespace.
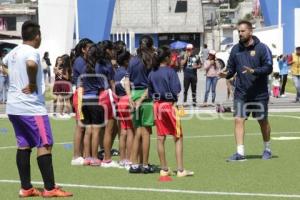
{"x":110,"y":164}
{"x":77,"y":161}
{"x":128,"y":165}
{"x":283,"y":96}
{"x":122,"y":163}
{"x":65,"y":116}
{"x":125,"y":164}
{"x":184,"y":173}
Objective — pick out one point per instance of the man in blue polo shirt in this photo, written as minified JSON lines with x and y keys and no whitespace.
{"x":251,"y":61}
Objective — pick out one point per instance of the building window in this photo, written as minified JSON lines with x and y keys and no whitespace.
{"x":181,"y":6}
{"x":163,"y":37}
{"x":184,"y":37}
{"x":8,"y":24}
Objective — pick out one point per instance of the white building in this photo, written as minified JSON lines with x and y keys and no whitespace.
{"x":167,"y":21}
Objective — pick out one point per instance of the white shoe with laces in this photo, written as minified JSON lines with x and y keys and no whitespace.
{"x":110,"y":164}
{"x":77,"y":161}
{"x":184,"y":173}
{"x":283,"y":96}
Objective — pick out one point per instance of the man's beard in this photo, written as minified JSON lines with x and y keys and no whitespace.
{"x":244,"y":40}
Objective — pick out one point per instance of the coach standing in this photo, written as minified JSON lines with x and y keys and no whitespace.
{"x":251,"y":61}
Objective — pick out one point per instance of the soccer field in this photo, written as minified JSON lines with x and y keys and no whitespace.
{"x":208,"y":141}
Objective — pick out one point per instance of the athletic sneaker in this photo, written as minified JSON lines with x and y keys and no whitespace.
{"x":128,"y":165}
{"x":63,"y":116}
{"x":56,"y":192}
{"x":87,"y":161}
{"x":184,"y":173}
{"x":266,"y":155}
{"x":115,"y":152}
{"x":125,"y":164}
{"x":109,"y":164}
{"x":77,"y":161}
{"x":236,"y":157}
{"x":32,"y":192}
{"x":135,"y":170}
{"x":122,"y":163}
{"x":95,"y":162}
{"x":149,"y":169}
{"x":166,"y":173}
{"x":101,"y":154}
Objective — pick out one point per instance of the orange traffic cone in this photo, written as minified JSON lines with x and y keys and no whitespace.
{"x":165,"y":179}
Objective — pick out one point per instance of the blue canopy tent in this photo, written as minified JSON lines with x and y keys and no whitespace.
{"x":178,"y":45}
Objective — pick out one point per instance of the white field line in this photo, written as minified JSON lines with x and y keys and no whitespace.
{"x":209,"y":193}
{"x":285,"y":116}
{"x":185,"y":137}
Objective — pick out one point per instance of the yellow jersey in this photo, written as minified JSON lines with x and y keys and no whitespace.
{"x":295,"y":67}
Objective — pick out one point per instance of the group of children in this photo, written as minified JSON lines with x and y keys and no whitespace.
{"x":120,"y":94}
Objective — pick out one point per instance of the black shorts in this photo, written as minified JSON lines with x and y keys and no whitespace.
{"x":93,"y":113}
{"x":243,"y":109}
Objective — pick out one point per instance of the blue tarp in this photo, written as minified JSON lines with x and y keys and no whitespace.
{"x":178,"y":45}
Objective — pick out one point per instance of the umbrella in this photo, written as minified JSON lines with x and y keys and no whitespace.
{"x":178,"y":45}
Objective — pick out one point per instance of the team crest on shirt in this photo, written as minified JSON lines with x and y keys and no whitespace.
{"x":252,"y":53}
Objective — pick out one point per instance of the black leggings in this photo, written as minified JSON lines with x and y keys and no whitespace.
{"x":190,"y":80}
{"x":283,"y":80}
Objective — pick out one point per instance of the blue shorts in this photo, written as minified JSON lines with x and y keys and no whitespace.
{"x":243,"y":109}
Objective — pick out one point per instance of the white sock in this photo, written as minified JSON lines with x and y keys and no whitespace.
{"x":267,"y":146}
{"x":241,"y":149}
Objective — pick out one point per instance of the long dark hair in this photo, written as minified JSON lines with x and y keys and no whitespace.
{"x":103,"y":46}
{"x":46,"y":55}
{"x":56,"y":61}
{"x":92,"y":59}
{"x":66,"y":65}
{"x":118,"y":48}
{"x":81,"y":44}
{"x":123,"y":58}
{"x":163,"y":53}
{"x":146,"y":51}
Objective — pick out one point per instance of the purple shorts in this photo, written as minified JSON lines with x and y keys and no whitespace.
{"x":32,"y":131}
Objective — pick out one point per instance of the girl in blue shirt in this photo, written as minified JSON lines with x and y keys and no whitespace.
{"x":164,"y":88}
{"x":284,"y":70}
